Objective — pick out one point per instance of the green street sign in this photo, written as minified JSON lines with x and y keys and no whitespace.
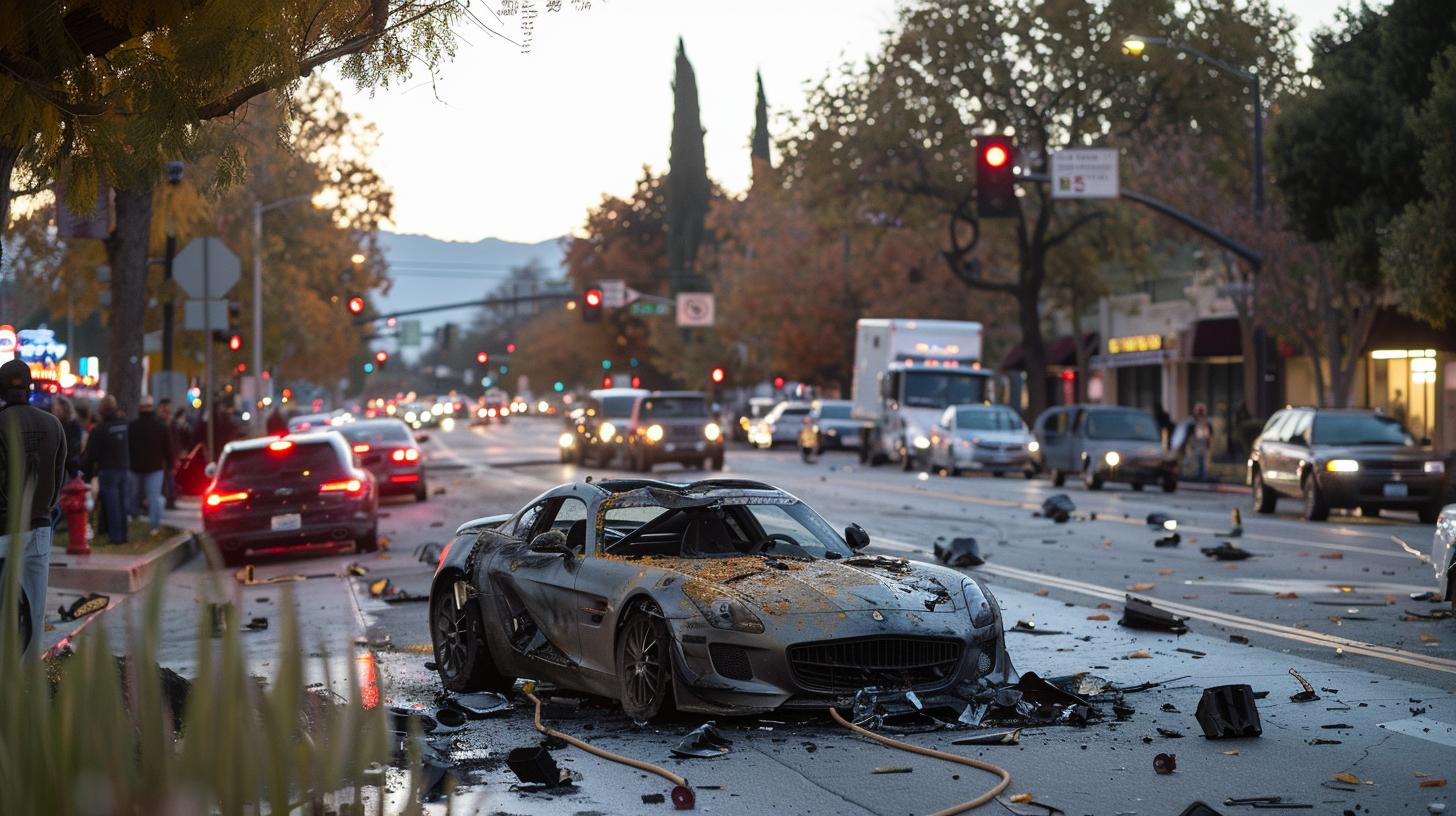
{"x":645,"y":309}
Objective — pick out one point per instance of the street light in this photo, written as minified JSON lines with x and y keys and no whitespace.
{"x":1134,"y":45}
{"x":258,"y":209}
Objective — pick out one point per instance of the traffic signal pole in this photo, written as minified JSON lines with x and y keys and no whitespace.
{"x":257,"y":304}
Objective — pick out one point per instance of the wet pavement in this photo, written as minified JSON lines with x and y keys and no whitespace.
{"x":1384,"y":716}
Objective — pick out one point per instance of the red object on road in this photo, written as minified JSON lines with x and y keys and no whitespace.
{"x":73,"y":504}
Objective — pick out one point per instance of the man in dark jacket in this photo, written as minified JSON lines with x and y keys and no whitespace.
{"x":36,"y":468}
{"x":150,"y":451}
{"x":108,"y":459}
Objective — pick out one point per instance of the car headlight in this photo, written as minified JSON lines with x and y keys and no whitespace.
{"x":920,"y":442}
{"x":712,"y":432}
{"x":963,"y":443}
{"x":607,"y":431}
{"x":1342,"y":466}
{"x":567,"y":440}
{"x":447,"y":424}
{"x":1033,"y":446}
{"x":654,"y":433}
{"x":410,"y":416}
{"x":722,"y":610}
{"x":1435,"y":467}
{"x":982,"y":611}
{"x":1111,"y":458}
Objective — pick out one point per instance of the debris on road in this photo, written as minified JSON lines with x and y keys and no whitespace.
{"x":1169,"y":540}
{"x":703,"y":742}
{"x":1226,"y":551}
{"x":1308,"y":695}
{"x":1058,"y":508}
{"x":534,"y":765}
{"x":257,"y":624}
{"x":1026,"y":627}
{"x":1162,"y":521}
{"x":429,"y":553}
{"x":1164,"y":764}
{"x":1227,"y":712}
{"x":1139,"y":613}
{"x":992,"y":736}
{"x":85,"y":605}
{"x":481,"y":703}
{"x":892,"y":769}
{"x":962,"y":552}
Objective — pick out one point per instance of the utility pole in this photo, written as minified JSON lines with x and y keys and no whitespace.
{"x":169,"y":318}
{"x":258,"y":306}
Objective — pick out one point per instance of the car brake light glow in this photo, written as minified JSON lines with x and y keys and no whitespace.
{"x":280,"y":445}
{"x":215,"y":499}
{"x":405,"y":455}
{"x":362,"y":447}
{"x":444,"y":553}
{"x":348,"y":486}
{"x":405,"y":477}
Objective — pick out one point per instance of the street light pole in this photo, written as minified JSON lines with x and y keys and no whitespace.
{"x":258,"y":209}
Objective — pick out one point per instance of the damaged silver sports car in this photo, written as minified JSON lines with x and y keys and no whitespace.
{"x":721,"y":596}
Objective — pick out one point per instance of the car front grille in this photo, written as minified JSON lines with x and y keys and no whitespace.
{"x":731,"y":661}
{"x":1001,"y":447}
{"x":1394,"y":465}
{"x":844,"y":666}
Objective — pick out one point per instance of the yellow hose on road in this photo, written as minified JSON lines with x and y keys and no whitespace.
{"x":948,"y":757}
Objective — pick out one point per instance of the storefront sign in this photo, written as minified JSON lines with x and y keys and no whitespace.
{"x":1134,"y":343}
{"x":38,"y":346}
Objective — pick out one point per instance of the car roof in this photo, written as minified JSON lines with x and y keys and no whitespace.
{"x":308,"y":438}
{"x":682,"y":394}
{"x":628,"y":485}
{"x":372,"y":422}
{"x":618,"y":392}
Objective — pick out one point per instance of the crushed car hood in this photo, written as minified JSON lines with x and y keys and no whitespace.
{"x":789,"y":587}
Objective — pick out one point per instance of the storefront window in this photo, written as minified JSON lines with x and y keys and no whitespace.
{"x":1403,"y":385}
{"x":1220,"y":387}
{"x":1140,"y":386}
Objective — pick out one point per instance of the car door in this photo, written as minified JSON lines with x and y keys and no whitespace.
{"x":603,"y":581}
{"x":1297,"y":450}
{"x":942,"y":439}
{"x":1276,"y":459}
{"x":1055,"y":439}
{"x":1078,"y":441}
{"x":540,"y":585}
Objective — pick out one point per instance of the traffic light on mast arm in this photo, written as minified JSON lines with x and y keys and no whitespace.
{"x":591,"y":306}
{"x":718,"y":375}
{"x":356,"y":304}
{"x":996,"y":177}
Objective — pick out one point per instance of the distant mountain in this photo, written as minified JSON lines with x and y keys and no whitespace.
{"x":429,"y":271}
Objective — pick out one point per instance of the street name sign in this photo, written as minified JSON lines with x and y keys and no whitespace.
{"x":647,"y":308}
{"x":1090,"y":173}
{"x":206,"y":268}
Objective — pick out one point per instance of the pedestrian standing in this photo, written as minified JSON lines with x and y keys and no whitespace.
{"x":65,"y":412}
{"x":169,"y":476}
{"x":1200,"y":441}
{"x":149,"y":445}
{"x":41,"y":451}
{"x":108,"y":460}
{"x":1165,"y":422}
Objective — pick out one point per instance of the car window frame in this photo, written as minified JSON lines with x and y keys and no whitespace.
{"x":1302,"y":424}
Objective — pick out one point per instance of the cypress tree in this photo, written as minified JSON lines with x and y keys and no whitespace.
{"x":687,"y":179}
{"x":762,"y":161}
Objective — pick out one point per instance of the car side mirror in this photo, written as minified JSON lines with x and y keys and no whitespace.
{"x":210,"y":470}
{"x":1298,"y":439}
{"x":856,"y":537}
{"x":551,"y":541}
{"x":421,"y":439}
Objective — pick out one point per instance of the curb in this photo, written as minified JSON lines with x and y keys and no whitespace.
{"x":78,"y":573}
{"x":1215,"y":487}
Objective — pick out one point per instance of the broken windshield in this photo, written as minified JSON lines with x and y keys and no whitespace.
{"x":725,"y":528}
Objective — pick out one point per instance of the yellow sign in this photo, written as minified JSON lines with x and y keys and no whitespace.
{"x":1136,"y":342}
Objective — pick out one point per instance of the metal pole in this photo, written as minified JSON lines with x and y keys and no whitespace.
{"x":168,"y":313}
{"x":1258,"y":151}
{"x":258,"y":305}
{"x":211,"y":414}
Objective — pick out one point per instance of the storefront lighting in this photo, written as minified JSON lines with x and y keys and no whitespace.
{"x":1401,"y":354}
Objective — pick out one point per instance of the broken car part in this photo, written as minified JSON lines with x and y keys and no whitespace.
{"x":1199,"y":809}
{"x":1058,"y":508}
{"x":1162,"y":521}
{"x":962,"y":552}
{"x":1226,"y":551}
{"x":481,"y":703}
{"x":1138,"y":613}
{"x":992,"y":736}
{"x":1164,"y":764}
{"x":83,"y":606}
{"x":1227,"y":712}
{"x":1169,"y":540}
{"x":703,"y":742}
{"x":534,"y":765}
{"x":1308,"y":695}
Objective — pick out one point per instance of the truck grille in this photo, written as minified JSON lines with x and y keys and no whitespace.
{"x":845,"y":666}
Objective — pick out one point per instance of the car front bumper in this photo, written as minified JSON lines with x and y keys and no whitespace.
{"x":254,"y":530}
{"x":1013,"y":461}
{"x":682,"y":452}
{"x":1372,"y":489}
{"x":1138,"y":471}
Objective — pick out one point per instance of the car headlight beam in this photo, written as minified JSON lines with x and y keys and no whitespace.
{"x":567,"y":440}
{"x":712,"y":432}
{"x":1033,"y":446}
{"x":1342,"y":466}
{"x":1112,"y":458}
{"x":1435,"y":467}
{"x":921,"y":442}
{"x":606,"y":432}
{"x":655,"y":433}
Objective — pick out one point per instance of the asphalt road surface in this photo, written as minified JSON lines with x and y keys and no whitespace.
{"x":1329,"y":600}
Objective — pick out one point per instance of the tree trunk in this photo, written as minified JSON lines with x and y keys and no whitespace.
{"x":1033,"y":352}
{"x":126,"y":252}
{"x":8,"y":157}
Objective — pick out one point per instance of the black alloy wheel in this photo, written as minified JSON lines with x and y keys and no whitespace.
{"x":461,"y":656}
{"x":644,"y":669}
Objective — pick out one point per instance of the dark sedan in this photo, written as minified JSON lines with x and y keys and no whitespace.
{"x":1345,"y":458}
{"x":392,"y":453}
{"x":276,"y":495}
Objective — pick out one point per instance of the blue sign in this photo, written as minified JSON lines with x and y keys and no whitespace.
{"x":39,"y":346}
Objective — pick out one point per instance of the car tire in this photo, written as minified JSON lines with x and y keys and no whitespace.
{"x":1169,"y":483}
{"x":422,"y":493}
{"x":644,"y":665}
{"x":369,"y":542}
{"x":462,"y":658}
{"x":1315,"y":506}
{"x":715,"y":462}
{"x":1369,"y":511}
{"x":1058,"y":477}
{"x":907,"y":462}
{"x":1428,"y":515}
{"x":1137,"y":487}
{"x":1091,"y":479}
{"x":1265,"y":500}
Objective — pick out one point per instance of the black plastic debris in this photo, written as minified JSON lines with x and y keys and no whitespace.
{"x":1199,"y":809}
{"x":429,"y":553}
{"x":1268,"y":803}
{"x":400,"y":596}
{"x":1138,"y":613}
{"x":1026,"y":627}
{"x":653,"y":799}
{"x":448,"y":720}
{"x":973,"y":714}
{"x":1226,"y":551}
{"x":534,"y":765}
{"x":703,"y":742}
{"x":961,"y":552}
{"x":83,"y":606}
{"x":436,"y":781}
{"x":1169,"y":540}
{"x":1227,"y":712}
{"x":400,"y":718}
{"x":1164,"y":764}
{"x":257,"y":624}
{"x":1162,"y":521}
{"x":1058,"y":508}
{"x":1308,"y":695}
{"x":992,"y":736}
{"x":481,"y":703}
{"x":1168,"y":733}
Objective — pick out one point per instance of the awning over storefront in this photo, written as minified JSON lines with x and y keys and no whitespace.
{"x":1060,"y":352}
{"x":1394,"y":330}
{"x":1128,"y":359}
{"x":1216,"y":337}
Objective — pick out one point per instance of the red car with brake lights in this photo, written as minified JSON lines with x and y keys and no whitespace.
{"x":391,"y":452}
{"x":275,"y":495}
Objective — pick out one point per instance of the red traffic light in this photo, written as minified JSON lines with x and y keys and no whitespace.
{"x":607,"y":381}
{"x":996,"y":156}
{"x":778,"y":382}
{"x":381,"y":356}
{"x":356,"y":305}
{"x":235,"y":342}
{"x":719,"y":375}
{"x":636,"y":381}
{"x":510,"y":348}
{"x":593,"y":297}
{"x":482,"y":357}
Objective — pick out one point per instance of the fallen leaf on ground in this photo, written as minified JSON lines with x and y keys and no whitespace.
{"x":1165,"y":571}
{"x":1286,"y":596}
{"x":1234,"y":752}
{"x":1104,"y":605}
{"x":1335,"y":556}
{"x":1042,"y":593}
{"x":1098,"y":617}
{"x":1335,"y":619}
{"x":1390,"y":600}
{"x":1347,"y":778}
{"x":1021,"y":799}
{"x":1139,"y":587}
{"x":418,"y":648}
{"x":1140,"y":654}
{"x":1433,"y":783}
{"x":1427,"y":637}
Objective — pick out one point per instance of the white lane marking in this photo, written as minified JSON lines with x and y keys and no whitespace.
{"x":1310,"y":637}
{"x":1424,"y":728}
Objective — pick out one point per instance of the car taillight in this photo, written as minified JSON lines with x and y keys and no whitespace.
{"x":217,"y":499}
{"x":280,"y":445}
{"x":350,"y":486}
{"x":444,"y":553}
{"x":362,"y":447}
{"x":405,"y":455}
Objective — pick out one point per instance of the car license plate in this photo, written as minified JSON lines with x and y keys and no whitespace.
{"x":670,"y":447}
{"x":1397,"y":490}
{"x":287,"y":521}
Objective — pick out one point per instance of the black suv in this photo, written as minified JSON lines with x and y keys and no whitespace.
{"x":674,"y":426}
{"x":599,"y":431}
{"x":1345,"y":458}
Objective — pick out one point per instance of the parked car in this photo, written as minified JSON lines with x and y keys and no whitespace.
{"x":1443,"y":555}
{"x":600,"y":433}
{"x":1104,"y":443}
{"x":673,"y":426}
{"x":779,"y":425}
{"x":392,"y":453}
{"x":752,"y":411}
{"x":829,"y":425}
{"x":279,"y":494}
{"x":723,"y":596}
{"x":990,"y":438}
{"x":1332,"y":458}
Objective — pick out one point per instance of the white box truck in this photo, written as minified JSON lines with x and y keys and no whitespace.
{"x":906,"y":373}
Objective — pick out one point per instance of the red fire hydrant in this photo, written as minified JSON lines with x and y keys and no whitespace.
{"x":73,"y":504}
